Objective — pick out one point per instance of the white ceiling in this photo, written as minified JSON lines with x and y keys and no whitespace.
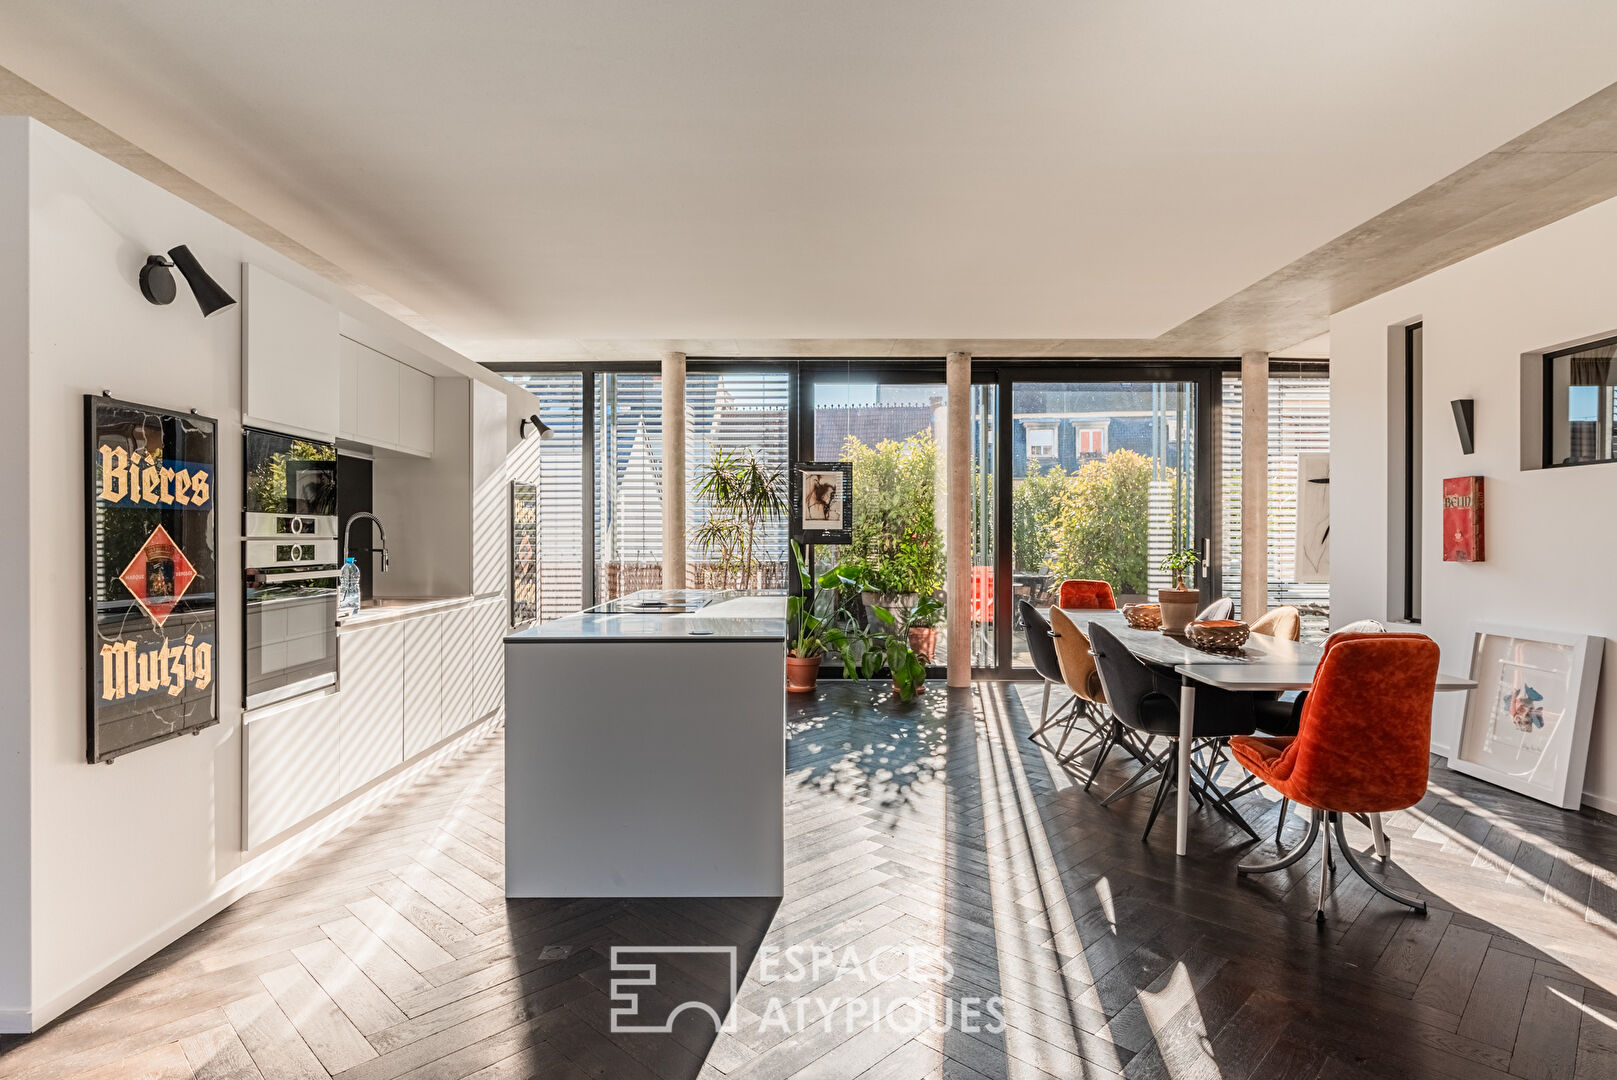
{"x":518,"y":171}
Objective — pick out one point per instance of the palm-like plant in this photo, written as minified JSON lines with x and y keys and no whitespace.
{"x":743,"y":491}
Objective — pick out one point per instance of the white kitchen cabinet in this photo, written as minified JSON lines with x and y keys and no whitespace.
{"x":378,"y":397}
{"x":291,"y":766}
{"x":423,"y":682}
{"x":289,"y":356}
{"x":460,"y":664}
{"x":415,"y":410}
{"x":491,"y":626}
{"x":371,"y":710}
{"x":348,"y":354}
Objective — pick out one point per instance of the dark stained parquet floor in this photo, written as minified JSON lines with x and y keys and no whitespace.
{"x":942,"y":875}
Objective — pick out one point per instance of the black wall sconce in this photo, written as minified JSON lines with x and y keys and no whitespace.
{"x":1465,"y":422}
{"x":542,"y":429}
{"x":157,"y":284}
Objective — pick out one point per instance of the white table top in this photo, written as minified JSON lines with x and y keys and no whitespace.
{"x":1263,"y":663}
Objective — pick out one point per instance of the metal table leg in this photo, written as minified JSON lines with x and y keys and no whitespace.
{"x":1187,"y":734}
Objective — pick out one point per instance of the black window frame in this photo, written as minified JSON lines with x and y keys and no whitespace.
{"x":1547,"y":418}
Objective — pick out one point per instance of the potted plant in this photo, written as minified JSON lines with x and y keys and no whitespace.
{"x":1178,"y":603}
{"x":905,"y":662}
{"x":862,"y":651}
{"x":809,"y":615}
{"x":742,"y":492}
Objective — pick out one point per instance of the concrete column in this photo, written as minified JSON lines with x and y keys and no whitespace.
{"x":1254,"y":484}
{"x":674,"y":470}
{"x":957,"y":531}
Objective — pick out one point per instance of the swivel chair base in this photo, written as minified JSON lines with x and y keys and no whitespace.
{"x":1335,"y":820}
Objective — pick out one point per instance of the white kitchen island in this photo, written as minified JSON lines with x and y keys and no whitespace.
{"x":645,"y":749}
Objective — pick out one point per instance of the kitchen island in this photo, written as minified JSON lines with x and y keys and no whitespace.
{"x":645,"y":749}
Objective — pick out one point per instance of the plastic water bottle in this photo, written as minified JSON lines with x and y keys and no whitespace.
{"x":348,"y":589}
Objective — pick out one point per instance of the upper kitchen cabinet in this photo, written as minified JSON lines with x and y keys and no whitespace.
{"x":289,"y":357}
{"x":384,"y":403}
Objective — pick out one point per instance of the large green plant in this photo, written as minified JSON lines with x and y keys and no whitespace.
{"x":895,"y":532}
{"x":742,"y":491}
{"x":907,"y":666}
{"x":811,"y":614}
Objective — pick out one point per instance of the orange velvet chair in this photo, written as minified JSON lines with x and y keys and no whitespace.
{"x":1362,"y":744}
{"x":1089,"y":595}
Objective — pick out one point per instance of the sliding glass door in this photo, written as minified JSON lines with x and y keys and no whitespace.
{"x":1107,"y":476}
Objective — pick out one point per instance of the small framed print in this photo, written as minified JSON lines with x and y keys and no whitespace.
{"x":822,"y":502}
{"x":1526,"y":725}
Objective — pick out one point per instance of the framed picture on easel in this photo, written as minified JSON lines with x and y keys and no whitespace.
{"x":822,"y":502}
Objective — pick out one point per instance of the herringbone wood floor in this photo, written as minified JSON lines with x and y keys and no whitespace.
{"x":941,"y":834}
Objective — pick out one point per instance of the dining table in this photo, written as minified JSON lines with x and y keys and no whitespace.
{"x":1263,"y":663}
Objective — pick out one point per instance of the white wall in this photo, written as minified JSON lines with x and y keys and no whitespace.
{"x":14,"y":638}
{"x":128,"y":856}
{"x":1548,"y":531}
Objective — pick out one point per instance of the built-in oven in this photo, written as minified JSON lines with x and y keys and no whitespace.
{"x":290,"y":560}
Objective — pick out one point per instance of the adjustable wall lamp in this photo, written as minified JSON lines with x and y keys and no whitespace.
{"x":157,"y":284}
{"x":542,"y":429}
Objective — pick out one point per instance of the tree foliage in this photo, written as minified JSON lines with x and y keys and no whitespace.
{"x":1093,"y":523}
{"x":895,"y":532}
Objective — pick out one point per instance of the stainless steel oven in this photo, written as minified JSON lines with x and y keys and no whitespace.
{"x":290,"y":560}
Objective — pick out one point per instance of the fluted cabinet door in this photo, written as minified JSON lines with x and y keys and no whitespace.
{"x":423,"y":682}
{"x":371,"y":731}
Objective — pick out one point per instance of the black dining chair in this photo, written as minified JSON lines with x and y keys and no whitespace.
{"x":1147,"y":701}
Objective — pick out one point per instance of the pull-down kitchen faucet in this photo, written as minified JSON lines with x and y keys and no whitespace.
{"x":381,"y":534}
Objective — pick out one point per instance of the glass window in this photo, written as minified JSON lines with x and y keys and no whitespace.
{"x":557,"y":471}
{"x":1581,"y":396}
{"x":628,"y":484}
{"x":1299,"y":495}
{"x":729,"y":415}
{"x":1116,"y":496}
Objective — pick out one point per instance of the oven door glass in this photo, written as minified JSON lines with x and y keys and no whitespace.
{"x":291,"y":478}
{"x":291,"y":641}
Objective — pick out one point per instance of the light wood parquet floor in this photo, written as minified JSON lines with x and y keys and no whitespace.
{"x":935,"y":857}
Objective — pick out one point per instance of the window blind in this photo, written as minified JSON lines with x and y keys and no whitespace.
{"x":1299,"y":422}
{"x":736,"y":411}
{"x":559,"y":478}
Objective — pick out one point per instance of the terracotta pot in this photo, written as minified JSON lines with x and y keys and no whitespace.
{"x":802,"y":673}
{"x":1178,"y":608}
{"x":924,"y":640}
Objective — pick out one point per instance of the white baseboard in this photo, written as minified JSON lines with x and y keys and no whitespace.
{"x":1600,"y":802}
{"x":251,"y":875}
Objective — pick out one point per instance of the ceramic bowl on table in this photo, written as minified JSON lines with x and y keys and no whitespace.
{"x":1143,"y":616}
{"x":1218,"y":634}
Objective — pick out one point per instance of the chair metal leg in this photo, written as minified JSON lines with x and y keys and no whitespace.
{"x":1106,"y":743}
{"x":1419,"y":906}
{"x":1326,"y":871}
{"x":1169,"y":775}
{"x":1222,"y":804}
{"x":1280,"y":822}
{"x":1044,"y":707}
{"x":1383,"y":845}
{"x":1148,"y":772}
{"x":1291,"y":856}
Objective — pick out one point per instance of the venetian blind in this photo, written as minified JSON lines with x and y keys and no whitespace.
{"x":737,"y":410}
{"x":1299,"y":422}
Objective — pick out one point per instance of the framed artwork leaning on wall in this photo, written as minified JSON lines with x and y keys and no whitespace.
{"x":1526,"y":725}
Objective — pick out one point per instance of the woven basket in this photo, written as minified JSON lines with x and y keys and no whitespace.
{"x":1143,"y":616}
{"x":1218,"y":634}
